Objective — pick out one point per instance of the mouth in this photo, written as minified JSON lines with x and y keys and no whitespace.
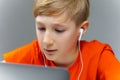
{"x":50,"y":50}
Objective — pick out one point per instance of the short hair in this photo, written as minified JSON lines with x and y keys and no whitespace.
{"x":77,"y":10}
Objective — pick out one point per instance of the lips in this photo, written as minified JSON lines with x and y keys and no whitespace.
{"x":50,"y":50}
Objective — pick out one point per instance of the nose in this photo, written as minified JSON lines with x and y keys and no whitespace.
{"x":47,"y":39}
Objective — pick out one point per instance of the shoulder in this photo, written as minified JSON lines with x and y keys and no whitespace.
{"x":99,"y":59}
{"x":93,"y":51}
{"x":95,"y":46}
{"x":25,"y":48}
{"x":23,"y":53}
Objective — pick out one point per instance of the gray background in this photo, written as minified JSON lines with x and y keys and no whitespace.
{"x":17,"y":24}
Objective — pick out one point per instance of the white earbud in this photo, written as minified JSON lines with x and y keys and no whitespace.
{"x":81,"y":32}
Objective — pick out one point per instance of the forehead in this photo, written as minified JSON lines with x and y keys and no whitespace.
{"x":61,"y":19}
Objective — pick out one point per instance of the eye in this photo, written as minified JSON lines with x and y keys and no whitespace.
{"x":41,"y":28}
{"x":59,"y":31}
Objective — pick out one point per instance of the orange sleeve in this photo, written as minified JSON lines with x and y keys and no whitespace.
{"x":109,"y":66}
{"x":27,"y":54}
{"x":19,"y":55}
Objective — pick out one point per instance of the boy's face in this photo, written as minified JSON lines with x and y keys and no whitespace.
{"x":57,"y":37}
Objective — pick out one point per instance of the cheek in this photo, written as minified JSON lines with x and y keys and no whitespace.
{"x":67,"y":41}
{"x":71,"y":37}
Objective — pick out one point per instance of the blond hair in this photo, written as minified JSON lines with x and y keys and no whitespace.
{"x":77,"y":10}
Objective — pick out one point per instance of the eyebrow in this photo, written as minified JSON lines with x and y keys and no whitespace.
{"x":54,"y":24}
{"x":58,"y":25}
{"x":40,"y":23}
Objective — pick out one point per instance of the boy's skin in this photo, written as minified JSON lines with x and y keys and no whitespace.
{"x":58,"y":38}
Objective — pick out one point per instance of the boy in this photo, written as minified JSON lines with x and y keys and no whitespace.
{"x":59,"y":27}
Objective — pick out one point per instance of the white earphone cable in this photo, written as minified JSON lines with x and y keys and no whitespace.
{"x":79,"y":75}
{"x":81,"y":61}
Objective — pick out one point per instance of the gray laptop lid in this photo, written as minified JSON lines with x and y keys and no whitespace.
{"x":29,"y":72}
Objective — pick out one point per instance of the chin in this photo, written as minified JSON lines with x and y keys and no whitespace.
{"x":51,"y":58}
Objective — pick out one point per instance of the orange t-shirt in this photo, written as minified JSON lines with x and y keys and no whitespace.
{"x":99,"y":62}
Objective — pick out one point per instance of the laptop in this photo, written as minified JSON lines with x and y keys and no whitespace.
{"x":10,"y":71}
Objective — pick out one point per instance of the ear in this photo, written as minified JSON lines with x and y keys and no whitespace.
{"x":84,"y":25}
